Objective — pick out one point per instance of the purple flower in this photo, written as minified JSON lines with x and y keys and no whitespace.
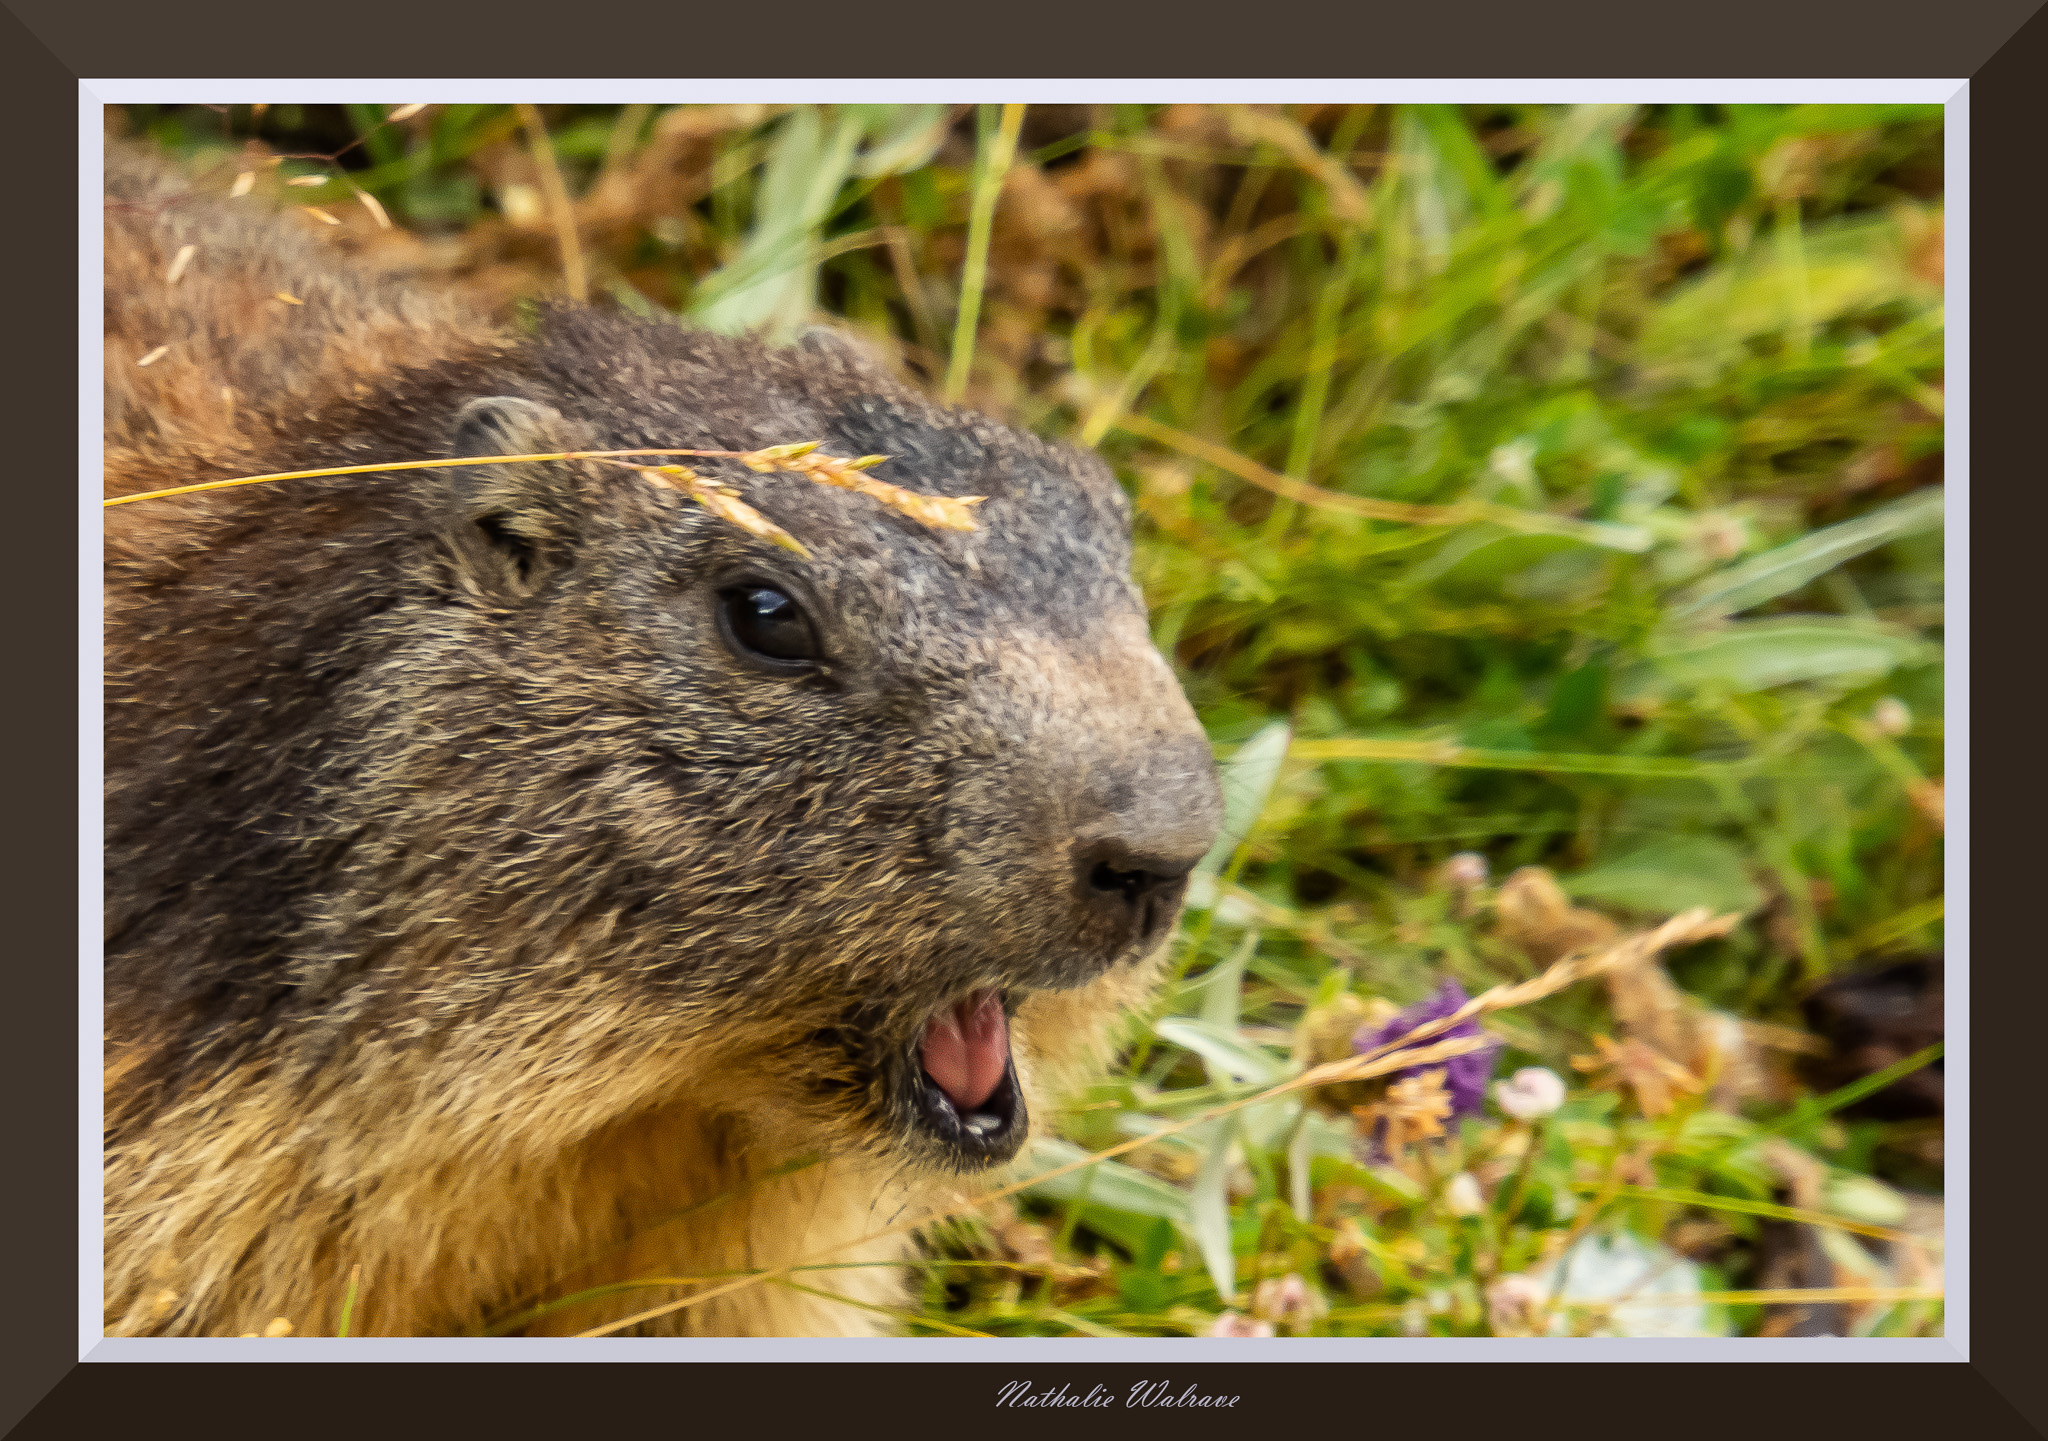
{"x":1462,"y":1078}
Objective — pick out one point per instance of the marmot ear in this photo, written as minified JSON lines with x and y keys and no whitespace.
{"x":851,"y":351}
{"x":513,"y":525}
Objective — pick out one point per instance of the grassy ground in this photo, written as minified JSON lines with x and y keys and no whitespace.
{"x":1517,"y":487}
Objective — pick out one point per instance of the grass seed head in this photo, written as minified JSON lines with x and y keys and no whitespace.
{"x":941,"y":512}
{"x":722,"y":501}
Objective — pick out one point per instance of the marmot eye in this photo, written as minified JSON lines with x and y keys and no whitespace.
{"x":760,"y":623}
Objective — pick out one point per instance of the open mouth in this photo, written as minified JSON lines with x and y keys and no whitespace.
{"x":967,"y":1094}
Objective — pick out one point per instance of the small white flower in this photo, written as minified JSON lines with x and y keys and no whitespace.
{"x":1465,"y":870}
{"x":1722,"y":537}
{"x":1514,"y":1305}
{"x":1415,"y":1317}
{"x":1236,"y":1323}
{"x":1514,"y":464}
{"x":1891,"y":717}
{"x":522,"y":205}
{"x":1286,"y":1301}
{"x":1462,"y":1197}
{"x":1531,"y":1092}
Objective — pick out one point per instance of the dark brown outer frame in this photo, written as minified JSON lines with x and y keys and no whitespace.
{"x":46,"y":45}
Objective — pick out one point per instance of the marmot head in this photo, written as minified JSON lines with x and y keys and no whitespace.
{"x":634,"y":784}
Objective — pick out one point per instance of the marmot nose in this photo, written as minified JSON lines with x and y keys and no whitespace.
{"x":1131,"y":864}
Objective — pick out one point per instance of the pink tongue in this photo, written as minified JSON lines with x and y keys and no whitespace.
{"x":966,"y":1049}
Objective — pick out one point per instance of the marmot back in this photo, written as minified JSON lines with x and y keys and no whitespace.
{"x":502,"y":860}
{"x":264,"y":325}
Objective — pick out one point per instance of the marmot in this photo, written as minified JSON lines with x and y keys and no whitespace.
{"x":520,"y":879}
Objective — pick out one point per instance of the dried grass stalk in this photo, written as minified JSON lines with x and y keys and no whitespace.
{"x":1405,"y":1053}
{"x":941,"y":512}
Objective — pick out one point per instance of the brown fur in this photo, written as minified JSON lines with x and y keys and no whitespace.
{"x":473,"y":917}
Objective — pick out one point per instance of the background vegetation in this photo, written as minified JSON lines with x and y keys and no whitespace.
{"x":1516,"y":487}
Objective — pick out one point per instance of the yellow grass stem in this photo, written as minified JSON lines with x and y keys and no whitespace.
{"x":1898,"y":927}
{"x":404,"y":465}
{"x":974,"y":273}
{"x":1055,"y":1269}
{"x":947,"y":512}
{"x":1464,"y":512}
{"x":897,"y":1312}
{"x":348,"y":1300}
{"x":560,"y":209}
{"x":1769,"y":1210}
{"x":1788,"y":1296}
{"x":534,"y":1310}
{"x":1449,"y":753}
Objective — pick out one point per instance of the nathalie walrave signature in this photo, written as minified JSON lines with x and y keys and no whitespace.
{"x":1142,"y":1393}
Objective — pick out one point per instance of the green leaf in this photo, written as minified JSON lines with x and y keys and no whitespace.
{"x":1865,"y":1199}
{"x":1750,"y":656}
{"x":1225,"y":1053}
{"x":1777,"y":572}
{"x":1223,"y":987}
{"x":1461,"y":153}
{"x":1209,"y":1210}
{"x":1848,"y":268}
{"x":1248,"y":781}
{"x":904,"y":137}
{"x":1300,"y":1152}
{"x":1142,"y":1287}
{"x":1206,"y":894}
{"x":1669,"y":875}
{"x":1644,"y":1287}
{"x":772,"y":283}
{"x":1108,"y":1184}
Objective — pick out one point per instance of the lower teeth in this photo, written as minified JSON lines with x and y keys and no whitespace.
{"x":981,"y":1125}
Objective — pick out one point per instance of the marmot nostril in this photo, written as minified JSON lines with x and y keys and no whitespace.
{"x":1111,"y":868}
{"x":1111,"y":881}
